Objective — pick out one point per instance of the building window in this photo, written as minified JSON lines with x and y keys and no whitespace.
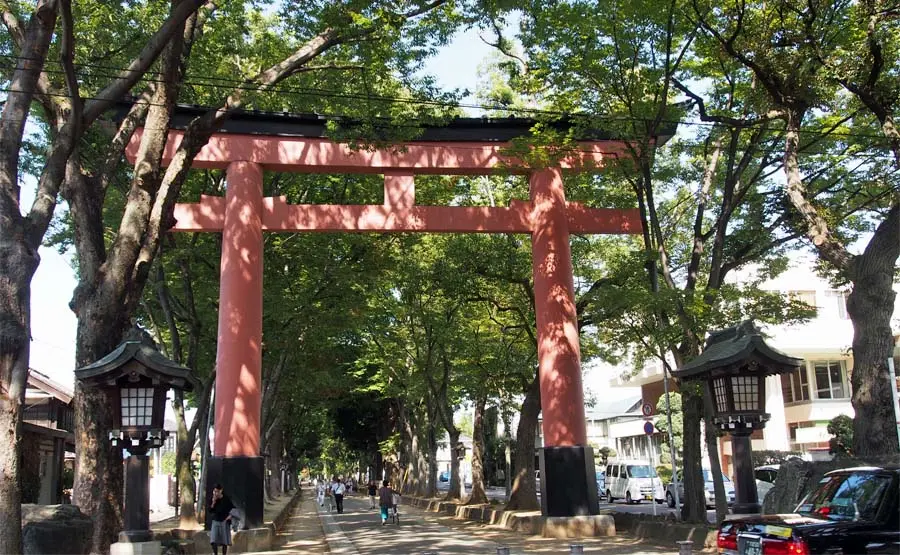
{"x":807,"y":297}
{"x":795,"y":386}
{"x":831,"y":380}
{"x":838,"y":299}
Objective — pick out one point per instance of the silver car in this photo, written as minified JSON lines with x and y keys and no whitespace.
{"x":709,"y":488}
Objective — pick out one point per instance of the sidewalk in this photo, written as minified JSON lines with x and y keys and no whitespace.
{"x":302,"y":532}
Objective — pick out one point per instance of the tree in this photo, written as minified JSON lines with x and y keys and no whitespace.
{"x":605,"y":454}
{"x":661,"y":423}
{"x":796,"y":51}
{"x":841,"y":428}
{"x":112,"y":275}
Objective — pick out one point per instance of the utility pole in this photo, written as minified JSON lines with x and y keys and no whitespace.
{"x":671,"y":439}
{"x":894,"y":395}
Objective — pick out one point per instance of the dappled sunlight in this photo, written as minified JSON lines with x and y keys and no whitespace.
{"x":317,"y":155}
{"x":239,"y":349}
{"x":359,"y":530}
{"x":559,"y":356}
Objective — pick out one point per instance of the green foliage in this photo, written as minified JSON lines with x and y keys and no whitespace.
{"x":765,"y":456}
{"x":841,"y":442}
{"x":664,"y":472}
{"x":661,"y":423}
{"x":604,"y":454}
{"x":167,"y":464}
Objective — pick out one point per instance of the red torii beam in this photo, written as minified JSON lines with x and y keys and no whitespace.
{"x":244,"y":214}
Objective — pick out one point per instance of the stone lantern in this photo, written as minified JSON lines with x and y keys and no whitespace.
{"x":734,"y":366}
{"x":136,"y":378}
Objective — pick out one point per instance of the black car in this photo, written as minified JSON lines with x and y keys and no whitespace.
{"x":853,"y":510}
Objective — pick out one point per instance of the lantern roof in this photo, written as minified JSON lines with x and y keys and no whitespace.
{"x":729,"y":350}
{"x":150,"y":363}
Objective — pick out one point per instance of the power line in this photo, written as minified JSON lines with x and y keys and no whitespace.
{"x":232,"y":84}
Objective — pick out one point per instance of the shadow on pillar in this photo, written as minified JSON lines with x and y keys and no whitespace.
{"x":568,"y":482}
{"x":242,"y":478}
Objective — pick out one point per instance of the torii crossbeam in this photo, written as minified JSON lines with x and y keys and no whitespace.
{"x":471,"y":147}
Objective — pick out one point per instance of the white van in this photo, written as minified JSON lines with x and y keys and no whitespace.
{"x":633,"y":481}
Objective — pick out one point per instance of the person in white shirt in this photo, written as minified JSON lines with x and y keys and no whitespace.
{"x":337,"y":488}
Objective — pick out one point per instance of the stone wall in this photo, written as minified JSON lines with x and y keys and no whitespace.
{"x":55,"y":529}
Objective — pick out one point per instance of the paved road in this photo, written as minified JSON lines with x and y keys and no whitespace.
{"x":619,"y":506}
{"x":359,"y":532}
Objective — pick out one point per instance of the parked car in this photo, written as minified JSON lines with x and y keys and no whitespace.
{"x":765,"y":479}
{"x":601,"y":483}
{"x":853,"y":510}
{"x":634,"y":481}
{"x":708,"y":486}
{"x":444,"y":476}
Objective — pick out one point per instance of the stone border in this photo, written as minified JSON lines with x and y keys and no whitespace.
{"x":525,"y":522}
{"x":665,"y":530}
{"x":335,"y":537}
{"x":188,"y":542}
{"x":659,"y":530}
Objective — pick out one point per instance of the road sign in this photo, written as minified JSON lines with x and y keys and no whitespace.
{"x":647,"y":409}
{"x":648,"y":428}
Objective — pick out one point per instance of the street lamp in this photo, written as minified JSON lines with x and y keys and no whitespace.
{"x":136,"y":378}
{"x":734,"y":365}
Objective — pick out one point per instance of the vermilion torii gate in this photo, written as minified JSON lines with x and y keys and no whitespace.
{"x":465,"y":146}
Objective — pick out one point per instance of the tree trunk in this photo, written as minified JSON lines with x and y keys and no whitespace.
{"x":478,"y":494}
{"x":99,"y":479}
{"x":184,"y":449}
{"x":416,"y":481}
{"x":19,"y":241}
{"x":870,"y":306}
{"x":18,"y":263}
{"x":693,"y":508}
{"x":14,"y":354}
{"x":431,"y":488}
{"x":379,"y":466}
{"x":524,"y":489}
{"x":273,"y":462}
{"x":455,"y":478}
{"x":715,"y":466}
{"x":507,"y":448}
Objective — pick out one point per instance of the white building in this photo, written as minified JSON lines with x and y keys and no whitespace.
{"x":800,"y":403}
{"x":605,"y":423}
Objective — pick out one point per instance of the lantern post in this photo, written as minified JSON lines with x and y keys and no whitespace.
{"x":136,"y":378}
{"x":734,"y":365}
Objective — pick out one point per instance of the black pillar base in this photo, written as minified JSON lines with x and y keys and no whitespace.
{"x":137,"y":495}
{"x":242,"y":478}
{"x":568,"y":482}
{"x":746,"y":496}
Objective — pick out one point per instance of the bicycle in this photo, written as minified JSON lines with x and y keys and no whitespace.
{"x":395,"y":514}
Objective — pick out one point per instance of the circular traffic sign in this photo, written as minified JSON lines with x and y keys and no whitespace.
{"x":647,"y":409}
{"x":648,"y":428}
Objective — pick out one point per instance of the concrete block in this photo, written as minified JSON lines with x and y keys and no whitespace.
{"x":136,"y":548}
{"x":252,"y":540}
{"x":579,"y":526}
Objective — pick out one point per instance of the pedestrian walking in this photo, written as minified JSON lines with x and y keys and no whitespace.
{"x":220,"y":532}
{"x":338,"y":489}
{"x":373,"y":491}
{"x":385,"y":501}
{"x":320,"y":494}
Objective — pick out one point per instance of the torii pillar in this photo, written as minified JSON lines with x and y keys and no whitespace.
{"x":567,"y":463}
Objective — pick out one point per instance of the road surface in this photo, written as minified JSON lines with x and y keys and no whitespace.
{"x":619,"y":506}
{"x":358,"y":531}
